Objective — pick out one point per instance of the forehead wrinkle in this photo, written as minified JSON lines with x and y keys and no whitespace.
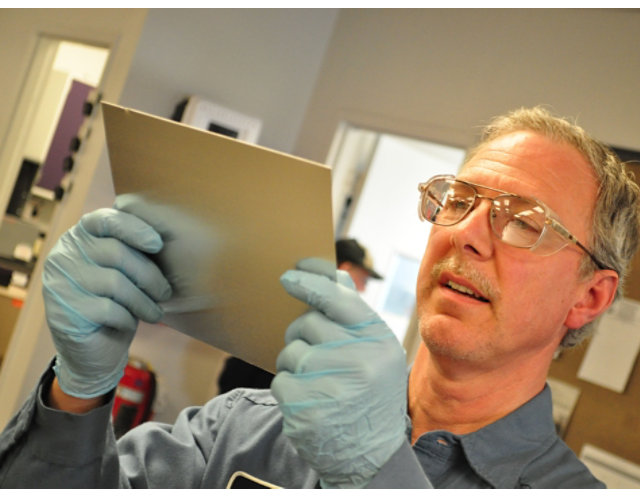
{"x":506,"y":178}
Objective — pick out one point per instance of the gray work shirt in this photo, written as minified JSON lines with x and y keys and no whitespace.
{"x":242,"y":431}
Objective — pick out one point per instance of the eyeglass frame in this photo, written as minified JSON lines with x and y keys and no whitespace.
{"x":551,"y":219}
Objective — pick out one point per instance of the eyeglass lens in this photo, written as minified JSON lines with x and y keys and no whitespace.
{"x":515,"y":220}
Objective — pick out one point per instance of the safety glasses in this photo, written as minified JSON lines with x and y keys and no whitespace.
{"x":515,"y":220}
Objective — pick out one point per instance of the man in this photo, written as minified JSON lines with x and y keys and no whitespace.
{"x":505,"y":280}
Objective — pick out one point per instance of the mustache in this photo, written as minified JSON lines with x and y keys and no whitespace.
{"x":466,"y":271}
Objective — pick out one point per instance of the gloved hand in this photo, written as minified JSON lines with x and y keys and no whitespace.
{"x":189,"y":254}
{"x":96,"y":286}
{"x":342,"y":379}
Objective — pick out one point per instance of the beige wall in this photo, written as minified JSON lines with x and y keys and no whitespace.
{"x":438,"y":74}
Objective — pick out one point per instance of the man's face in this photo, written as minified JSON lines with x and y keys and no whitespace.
{"x":528,"y":295}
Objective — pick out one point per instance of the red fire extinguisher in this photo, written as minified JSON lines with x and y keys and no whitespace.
{"x":134,"y":397}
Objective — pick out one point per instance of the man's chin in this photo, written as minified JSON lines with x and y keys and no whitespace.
{"x":445,"y":343}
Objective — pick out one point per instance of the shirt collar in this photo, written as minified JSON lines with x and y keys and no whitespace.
{"x":500,"y":451}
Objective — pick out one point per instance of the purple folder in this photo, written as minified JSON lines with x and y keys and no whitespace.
{"x":69,"y":123}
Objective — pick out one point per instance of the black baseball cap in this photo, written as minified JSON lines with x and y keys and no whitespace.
{"x":349,"y":250}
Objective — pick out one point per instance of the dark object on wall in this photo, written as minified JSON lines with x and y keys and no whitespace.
{"x":27,"y":174}
{"x":67,"y":163}
{"x":627,"y":155}
{"x":5,"y":276}
{"x":225,"y":131}
{"x":74,"y":146}
{"x":178,"y":111}
{"x":214,"y":127}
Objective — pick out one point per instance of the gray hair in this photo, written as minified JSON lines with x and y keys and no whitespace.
{"x":615,"y":227}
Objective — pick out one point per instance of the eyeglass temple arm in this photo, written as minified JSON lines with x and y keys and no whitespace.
{"x":422,"y":187}
{"x":560,"y":229}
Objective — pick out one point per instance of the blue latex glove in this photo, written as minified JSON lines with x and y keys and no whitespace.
{"x":341,"y":381}
{"x":96,"y":286}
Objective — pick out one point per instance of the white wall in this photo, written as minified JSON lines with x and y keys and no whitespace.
{"x":263,"y":63}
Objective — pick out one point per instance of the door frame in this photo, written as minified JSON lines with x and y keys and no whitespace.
{"x":30,"y":347}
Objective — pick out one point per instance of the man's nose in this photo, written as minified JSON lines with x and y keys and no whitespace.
{"x":473,"y":235}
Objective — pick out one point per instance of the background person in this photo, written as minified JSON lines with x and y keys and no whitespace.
{"x":355,"y":259}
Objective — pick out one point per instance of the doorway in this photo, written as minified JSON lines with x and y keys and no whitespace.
{"x":375,"y":200}
{"x":60,"y":67}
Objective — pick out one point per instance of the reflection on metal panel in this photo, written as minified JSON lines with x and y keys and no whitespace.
{"x":234,"y":217}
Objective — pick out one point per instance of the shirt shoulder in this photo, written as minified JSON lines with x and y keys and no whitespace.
{"x":558,"y":468}
{"x":523,"y":449}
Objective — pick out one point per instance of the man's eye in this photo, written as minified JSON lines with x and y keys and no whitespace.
{"x":457,"y":203}
{"x":524,"y":224}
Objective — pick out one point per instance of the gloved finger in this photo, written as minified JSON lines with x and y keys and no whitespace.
{"x":315,"y":328}
{"x":112,"y":253}
{"x":318,"y":266}
{"x":67,"y":314}
{"x":292,"y":357}
{"x":128,"y":228}
{"x":291,"y":392}
{"x":280,"y":384}
{"x":286,"y":388}
{"x":296,"y":393}
{"x":346,"y":355}
{"x":114,"y":315}
{"x":166,"y":220}
{"x":340,"y":304}
{"x":114,"y":285}
{"x":325,"y":268}
{"x":92,"y":281}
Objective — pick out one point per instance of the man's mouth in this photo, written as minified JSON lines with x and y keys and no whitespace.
{"x":459,"y":288}
{"x":464,"y":280}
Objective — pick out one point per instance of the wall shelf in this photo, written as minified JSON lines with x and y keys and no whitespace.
{"x":13,"y":292}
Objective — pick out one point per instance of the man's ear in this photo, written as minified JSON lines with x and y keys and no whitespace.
{"x":596,"y":296}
